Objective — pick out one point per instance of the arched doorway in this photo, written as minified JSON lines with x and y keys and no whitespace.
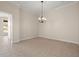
{"x":6,"y":32}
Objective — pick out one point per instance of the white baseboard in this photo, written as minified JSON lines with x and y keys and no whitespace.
{"x":16,"y":41}
{"x":27,"y":38}
{"x":64,"y":40}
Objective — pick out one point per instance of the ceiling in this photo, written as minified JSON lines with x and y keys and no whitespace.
{"x":35,"y":6}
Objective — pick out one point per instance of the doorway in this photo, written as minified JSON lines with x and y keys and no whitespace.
{"x":6,"y":35}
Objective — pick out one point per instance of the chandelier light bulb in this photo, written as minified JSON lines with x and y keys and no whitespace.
{"x":41,"y":18}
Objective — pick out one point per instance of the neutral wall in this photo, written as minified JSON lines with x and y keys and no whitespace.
{"x":8,"y":8}
{"x":28,"y":25}
{"x":24,"y":22}
{"x":62,"y":24}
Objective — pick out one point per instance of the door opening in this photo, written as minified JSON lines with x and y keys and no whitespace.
{"x":6,"y":34}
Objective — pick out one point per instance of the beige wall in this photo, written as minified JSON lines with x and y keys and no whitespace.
{"x":28,"y":25}
{"x":24,"y":22}
{"x":8,"y":8}
{"x":62,"y":24}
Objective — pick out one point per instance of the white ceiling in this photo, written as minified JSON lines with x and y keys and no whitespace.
{"x":35,"y":6}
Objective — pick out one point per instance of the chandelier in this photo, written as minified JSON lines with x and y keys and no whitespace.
{"x":42,"y":19}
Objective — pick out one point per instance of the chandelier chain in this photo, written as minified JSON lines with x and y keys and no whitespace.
{"x":41,"y":8}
